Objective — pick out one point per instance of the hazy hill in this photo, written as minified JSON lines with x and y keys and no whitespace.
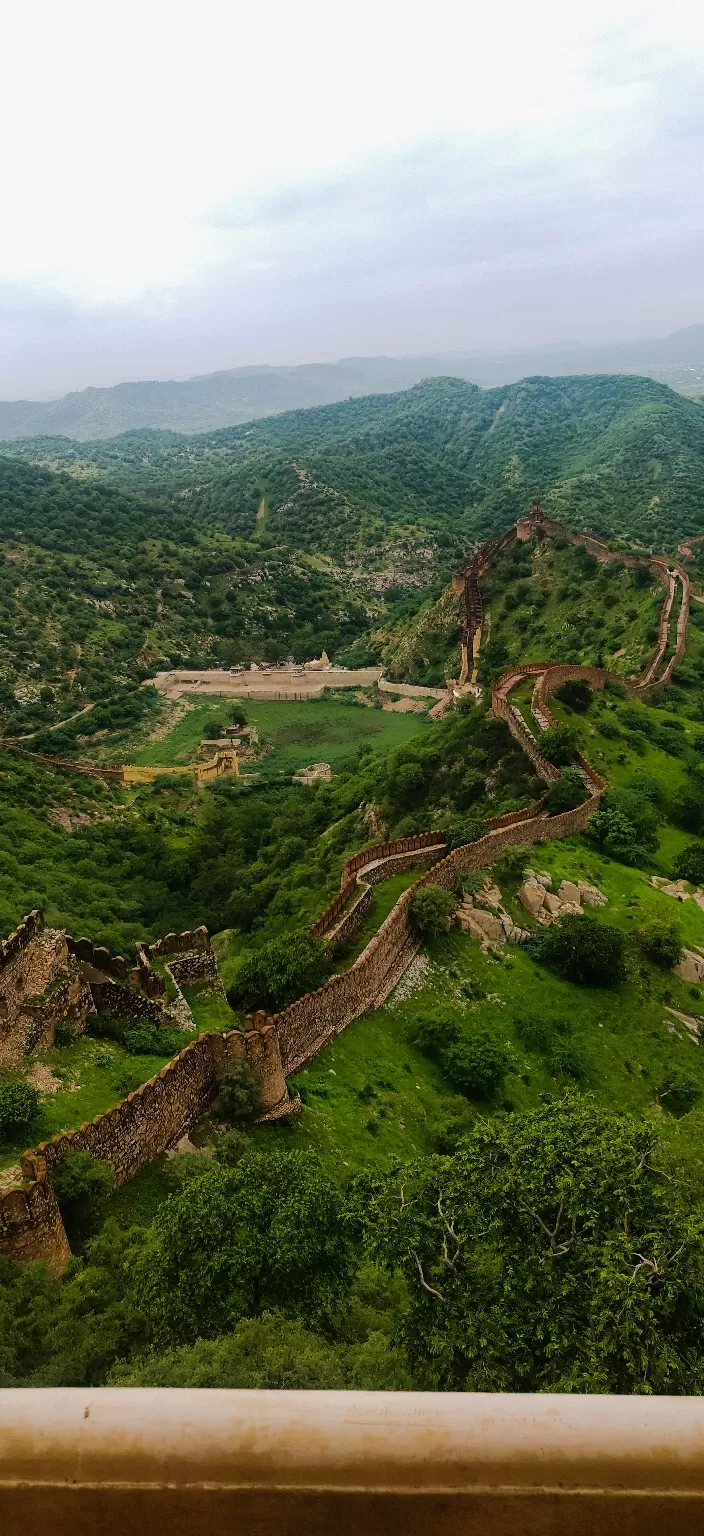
{"x":621,"y":453}
{"x":240,"y":395}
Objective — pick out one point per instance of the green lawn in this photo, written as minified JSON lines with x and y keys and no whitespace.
{"x":209,"y":1012}
{"x":371,"y":1095}
{"x":384,"y":898}
{"x":295,"y":733}
{"x":90,"y":1070}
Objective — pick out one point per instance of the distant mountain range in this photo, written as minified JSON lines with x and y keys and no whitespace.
{"x":239,"y":395}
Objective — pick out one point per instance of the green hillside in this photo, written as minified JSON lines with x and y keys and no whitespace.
{"x":620,"y":452}
{"x":495,"y":1181}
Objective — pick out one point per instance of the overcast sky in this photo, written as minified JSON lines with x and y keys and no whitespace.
{"x":189,"y":185}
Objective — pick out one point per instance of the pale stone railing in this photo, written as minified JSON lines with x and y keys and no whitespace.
{"x":78,"y":1461}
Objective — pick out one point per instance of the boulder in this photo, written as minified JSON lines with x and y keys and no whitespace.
{"x":532,"y":896}
{"x":677,"y":889}
{"x":690,"y":967}
{"x":489,"y":926}
{"x":552,"y":903}
{"x":489,"y":896}
{"x":569,"y":892}
{"x":544,"y":879}
{"x":591,"y":896}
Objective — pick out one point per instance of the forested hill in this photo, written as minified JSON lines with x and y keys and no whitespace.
{"x":620,"y":453}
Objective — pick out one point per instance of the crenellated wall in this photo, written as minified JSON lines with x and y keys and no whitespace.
{"x":40,"y":987}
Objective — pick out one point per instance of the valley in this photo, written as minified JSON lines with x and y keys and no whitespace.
{"x":371,"y":1041}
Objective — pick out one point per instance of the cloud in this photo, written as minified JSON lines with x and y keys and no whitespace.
{"x":282,"y":184}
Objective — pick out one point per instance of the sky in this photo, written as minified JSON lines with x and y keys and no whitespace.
{"x":192,"y":186}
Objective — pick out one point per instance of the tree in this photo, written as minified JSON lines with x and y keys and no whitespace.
{"x":431,"y":910}
{"x":82,"y":1185}
{"x":567,"y":793}
{"x":476,"y":1063}
{"x":576,"y":693}
{"x":612,"y":830}
{"x":19,"y":1103}
{"x":559,"y":745}
{"x":584,"y":950}
{"x":239,"y":1095}
{"x":279,"y":973}
{"x":268,"y":1234}
{"x":662,"y":943}
{"x":689,"y":864}
{"x":546,"y":1254}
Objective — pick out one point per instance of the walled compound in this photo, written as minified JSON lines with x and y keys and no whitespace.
{"x":162,"y":1110}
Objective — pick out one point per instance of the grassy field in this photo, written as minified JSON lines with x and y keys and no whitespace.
{"x":90,"y":1070}
{"x":294,"y":734}
{"x":371,"y":1095}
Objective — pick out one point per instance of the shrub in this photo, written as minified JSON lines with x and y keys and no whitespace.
{"x":535,"y":1034}
{"x":689,"y":864}
{"x":148,"y":1040}
{"x":431,"y":909}
{"x":688,"y":808}
{"x":566,"y":1060}
{"x":567,"y":793}
{"x":476,"y":1063}
{"x":279,"y":973}
{"x":436,"y":1030}
{"x":230,"y":1146}
{"x":662,"y":943}
{"x":583,"y":950}
{"x":576,"y":693}
{"x":82,"y":1186}
{"x":560,"y":745}
{"x":617,"y":836}
{"x":463,"y":829}
{"x":679,"y":1090}
{"x":127,"y":1082}
{"x":19,"y":1103}
{"x":239,"y":1094}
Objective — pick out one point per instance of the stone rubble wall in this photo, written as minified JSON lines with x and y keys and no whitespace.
{"x":140,"y":976}
{"x":31,"y":1227}
{"x":40,"y":987}
{"x":157,"y":1115}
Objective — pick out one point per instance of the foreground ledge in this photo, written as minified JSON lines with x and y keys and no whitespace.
{"x":116,"y":1461}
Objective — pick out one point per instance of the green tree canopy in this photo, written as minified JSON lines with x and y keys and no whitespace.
{"x":547,"y":1254}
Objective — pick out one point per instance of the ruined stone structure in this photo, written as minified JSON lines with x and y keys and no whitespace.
{"x":40,"y":987}
{"x":30,"y":1223}
{"x":144,"y":1124}
{"x":161,"y":1111}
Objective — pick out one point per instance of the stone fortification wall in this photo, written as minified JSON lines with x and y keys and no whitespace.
{"x":308,"y":1024}
{"x":40,"y":987}
{"x":163,"y":1109}
{"x":504,"y":710}
{"x":95,"y":770}
{"x":190,"y":957}
{"x":179,"y":943}
{"x":30,"y":1223}
{"x":370,"y":866}
{"x":511,"y":817}
{"x":376,"y":851}
{"x":128,"y":1006}
{"x":98,"y":958}
{"x":411,"y":690}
